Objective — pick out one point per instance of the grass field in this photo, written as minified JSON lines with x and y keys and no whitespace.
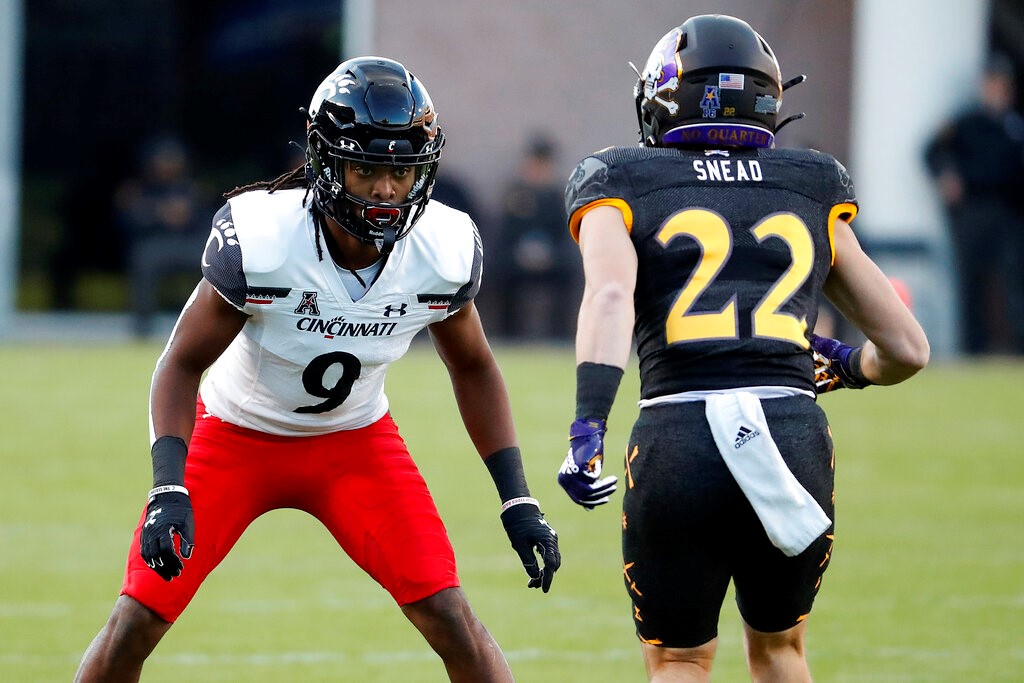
{"x":926,"y":582}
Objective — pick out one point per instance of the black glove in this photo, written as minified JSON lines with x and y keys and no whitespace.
{"x":167,"y":514}
{"x":528,"y":531}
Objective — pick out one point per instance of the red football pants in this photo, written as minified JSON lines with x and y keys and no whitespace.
{"x":361,"y":484}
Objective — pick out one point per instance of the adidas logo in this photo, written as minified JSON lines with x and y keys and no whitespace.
{"x":744,"y":435}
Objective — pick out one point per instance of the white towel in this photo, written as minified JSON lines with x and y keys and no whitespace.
{"x":790,"y":516}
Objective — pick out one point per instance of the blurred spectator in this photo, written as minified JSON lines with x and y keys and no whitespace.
{"x":977,"y":160}
{"x":539,"y":266}
{"x":163,"y":219}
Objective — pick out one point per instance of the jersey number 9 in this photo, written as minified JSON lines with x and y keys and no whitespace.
{"x":315,"y":374}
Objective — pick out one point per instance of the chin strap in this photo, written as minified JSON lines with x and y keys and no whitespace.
{"x":386,"y":243}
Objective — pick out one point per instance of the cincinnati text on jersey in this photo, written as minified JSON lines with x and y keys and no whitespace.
{"x":339,"y":327}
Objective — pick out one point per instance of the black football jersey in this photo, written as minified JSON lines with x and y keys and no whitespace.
{"x":733,"y":248}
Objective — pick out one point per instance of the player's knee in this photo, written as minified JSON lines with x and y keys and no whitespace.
{"x":133,"y":630}
{"x":772,"y":651}
{"x":679,"y":663}
{"x":451,"y":629}
{"x":790,"y":639}
{"x":444,"y":616}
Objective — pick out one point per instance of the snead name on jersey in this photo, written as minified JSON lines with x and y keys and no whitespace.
{"x":728,"y":170}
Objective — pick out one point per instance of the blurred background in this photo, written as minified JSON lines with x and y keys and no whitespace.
{"x":121,"y":124}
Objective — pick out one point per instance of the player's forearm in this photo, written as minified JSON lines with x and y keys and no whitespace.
{"x":172,"y":418}
{"x":484,"y":406}
{"x":605,"y":326}
{"x":172,"y":401}
{"x":897,"y":346}
{"x":895,"y":362}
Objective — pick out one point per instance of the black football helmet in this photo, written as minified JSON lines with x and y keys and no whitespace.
{"x":713,"y":81}
{"x":373,"y":111}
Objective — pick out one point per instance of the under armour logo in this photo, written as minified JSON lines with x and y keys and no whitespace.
{"x":152,"y":517}
{"x":396,"y":310}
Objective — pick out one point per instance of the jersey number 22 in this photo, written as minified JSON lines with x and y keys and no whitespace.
{"x":713,"y":235}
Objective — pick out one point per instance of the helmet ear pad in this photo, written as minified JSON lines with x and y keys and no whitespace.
{"x":371,"y":111}
{"x":711,"y":81}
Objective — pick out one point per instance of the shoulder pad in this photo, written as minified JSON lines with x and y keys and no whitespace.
{"x":265,"y":225}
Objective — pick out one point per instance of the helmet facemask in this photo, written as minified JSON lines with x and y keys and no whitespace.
{"x":371,"y":111}
{"x":381,"y":224}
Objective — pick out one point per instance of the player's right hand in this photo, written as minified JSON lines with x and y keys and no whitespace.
{"x":832,"y":365}
{"x":168,"y":514}
{"x":580,"y":474}
{"x":825,"y":378}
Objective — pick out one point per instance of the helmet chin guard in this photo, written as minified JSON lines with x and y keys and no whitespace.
{"x":386,"y":218}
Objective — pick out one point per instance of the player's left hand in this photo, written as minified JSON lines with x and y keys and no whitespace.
{"x":529,"y":532}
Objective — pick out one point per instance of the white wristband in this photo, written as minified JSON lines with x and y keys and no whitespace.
{"x":519,"y":501}
{"x":154,"y":492}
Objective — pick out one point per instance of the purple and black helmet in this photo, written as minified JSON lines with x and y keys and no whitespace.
{"x":713,"y":81}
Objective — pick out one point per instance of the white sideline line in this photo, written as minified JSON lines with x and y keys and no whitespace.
{"x":386,"y":658}
{"x":34,"y":610}
{"x":195,"y":659}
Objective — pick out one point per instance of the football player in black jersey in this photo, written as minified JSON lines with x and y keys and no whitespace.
{"x":713,"y":249}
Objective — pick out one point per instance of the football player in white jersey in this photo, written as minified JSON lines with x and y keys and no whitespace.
{"x":312,"y":284}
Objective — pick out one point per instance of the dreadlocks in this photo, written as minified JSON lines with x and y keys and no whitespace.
{"x":293,"y":179}
{"x":286,"y":181}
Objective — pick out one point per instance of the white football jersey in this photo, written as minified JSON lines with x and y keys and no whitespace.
{"x":310,"y":360}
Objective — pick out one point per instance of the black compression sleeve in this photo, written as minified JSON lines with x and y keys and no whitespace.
{"x":169,"y":461}
{"x":506,"y":468}
{"x":596,"y":386}
{"x":853,"y":366}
